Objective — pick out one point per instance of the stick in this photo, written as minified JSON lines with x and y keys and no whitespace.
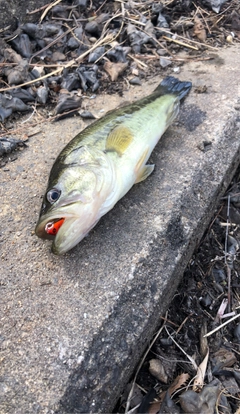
{"x":189,"y":40}
{"x":180,"y":43}
{"x":49,"y":8}
{"x":222,"y":325}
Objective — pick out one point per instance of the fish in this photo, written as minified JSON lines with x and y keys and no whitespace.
{"x":101,"y":164}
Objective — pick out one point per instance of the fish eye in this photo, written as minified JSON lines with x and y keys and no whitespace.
{"x":53,"y":195}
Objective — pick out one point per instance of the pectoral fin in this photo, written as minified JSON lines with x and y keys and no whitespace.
{"x":143,"y":170}
{"x":119,"y":139}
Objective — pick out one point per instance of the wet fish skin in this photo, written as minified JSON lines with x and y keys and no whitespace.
{"x":101,"y":164}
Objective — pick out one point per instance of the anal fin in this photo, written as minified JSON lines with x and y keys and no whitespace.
{"x":144,"y":173}
{"x":142,"y":170}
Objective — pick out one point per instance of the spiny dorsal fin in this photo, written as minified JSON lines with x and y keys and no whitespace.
{"x":119,"y":139}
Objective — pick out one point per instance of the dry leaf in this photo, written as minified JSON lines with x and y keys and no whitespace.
{"x":179,"y":381}
{"x":199,"y":29}
{"x":114,"y":69}
{"x":199,"y":380}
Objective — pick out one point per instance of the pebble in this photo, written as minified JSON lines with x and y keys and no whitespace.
{"x":164,"y":62}
{"x":176,"y":69}
{"x":135,"y":81}
{"x":58,"y":56}
{"x":229,"y":39}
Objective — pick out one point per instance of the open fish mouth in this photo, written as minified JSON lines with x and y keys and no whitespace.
{"x":63,"y":231}
{"x":49,"y":227}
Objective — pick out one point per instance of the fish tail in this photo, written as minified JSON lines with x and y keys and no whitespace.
{"x":171,"y":85}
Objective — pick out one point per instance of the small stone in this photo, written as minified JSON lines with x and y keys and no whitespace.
{"x":135,"y":81}
{"x":229,"y":39}
{"x":92,"y":39}
{"x":162,"y":52}
{"x":164,"y":62}
{"x":58,"y":56}
{"x":176,"y":69}
{"x":156,"y":368}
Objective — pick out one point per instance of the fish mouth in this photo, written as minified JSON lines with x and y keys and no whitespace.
{"x":43,"y":226}
{"x":70,"y":230}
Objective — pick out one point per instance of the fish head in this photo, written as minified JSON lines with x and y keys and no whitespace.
{"x":78,"y":187}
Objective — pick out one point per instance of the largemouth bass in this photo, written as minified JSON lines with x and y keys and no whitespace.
{"x":101,"y":164}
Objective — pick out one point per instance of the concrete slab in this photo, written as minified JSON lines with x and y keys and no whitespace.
{"x":74,"y":327}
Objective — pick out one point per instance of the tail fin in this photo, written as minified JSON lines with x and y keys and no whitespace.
{"x":174,"y":86}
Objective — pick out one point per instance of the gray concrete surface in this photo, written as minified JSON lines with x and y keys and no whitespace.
{"x":74,"y":327}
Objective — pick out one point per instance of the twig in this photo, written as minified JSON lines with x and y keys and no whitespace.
{"x":222,"y":325}
{"x":227,"y":227}
{"x":51,"y":44}
{"x":218,"y":20}
{"x":168,"y":321}
{"x":188,"y":356}
{"x":23,"y":128}
{"x":138,"y":61}
{"x":33,"y":112}
{"x":189,"y":40}
{"x":205,"y":21}
{"x":49,"y":8}
{"x":229,"y":286}
{"x":38,"y":10}
{"x":133,"y":410}
{"x":225,"y":255}
{"x":5,"y":28}
{"x":183,"y":323}
{"x":157,"y":41}
{"x":169,"y":39}
{"x":69,"y":20}
{"x":100,"y":7}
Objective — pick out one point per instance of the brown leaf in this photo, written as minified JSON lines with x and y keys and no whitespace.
{"x":199,"y":379}
{"x":179,"y":381}
{"x":114,"y":69}
{"x":199,"y":29}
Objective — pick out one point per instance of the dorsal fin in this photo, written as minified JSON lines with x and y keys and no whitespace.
{"x":119,"y":139}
